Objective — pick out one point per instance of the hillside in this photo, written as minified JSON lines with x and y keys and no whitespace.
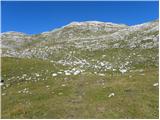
{"x":86,"y":69}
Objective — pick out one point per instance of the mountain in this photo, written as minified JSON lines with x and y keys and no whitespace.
{"x":85,"y":69}
{"x":79,"y":37}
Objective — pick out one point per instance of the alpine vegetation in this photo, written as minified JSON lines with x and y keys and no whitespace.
{"x":85,"y":69}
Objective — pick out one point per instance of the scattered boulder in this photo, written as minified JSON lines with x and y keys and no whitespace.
{"x":155,"y":84}
{"x":54,"y":74}
{"x":111,"y":95}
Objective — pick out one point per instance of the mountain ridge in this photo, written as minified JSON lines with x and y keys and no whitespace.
{"x":77,"y":22}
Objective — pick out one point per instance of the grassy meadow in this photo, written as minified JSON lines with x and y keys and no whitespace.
{"x":31,"y":91}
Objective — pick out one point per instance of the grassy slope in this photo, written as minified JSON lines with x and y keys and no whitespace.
{"x":84,"y":96}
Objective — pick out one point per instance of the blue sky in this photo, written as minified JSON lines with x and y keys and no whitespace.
{"x":36,"y":17}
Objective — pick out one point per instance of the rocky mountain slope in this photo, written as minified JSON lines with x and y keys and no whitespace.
{"x":78,"y":38}
{"x":82,"y":70}
{"x":86,"y":35}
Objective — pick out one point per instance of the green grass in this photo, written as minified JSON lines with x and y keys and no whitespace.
{"x":84,"y":95}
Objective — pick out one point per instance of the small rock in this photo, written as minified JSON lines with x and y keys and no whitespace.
{"x":51,"y":61}
{"x":111,"y":95}
{"x":60,"y":93}
{"x":100,"y":74}
{"x":67,"y":73}
{"x":63,"y":85}
{"x":37,"y":75}
{"x":7,"y":85}
{"x":103,"y":56}
{"x":1,"y":84}
{"x":19,"y":91}
{"x":123,"y":70}
{"x":77,"y":72}
{"x":59,"y":72}
{"x":54,"y":74}
{"x":155,"y":84}
{"x":3,"y":94}
{"x":47,"y":86}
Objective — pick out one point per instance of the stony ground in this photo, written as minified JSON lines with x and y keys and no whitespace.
{"x":82,"y":70}
{"x":43,"y":89}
